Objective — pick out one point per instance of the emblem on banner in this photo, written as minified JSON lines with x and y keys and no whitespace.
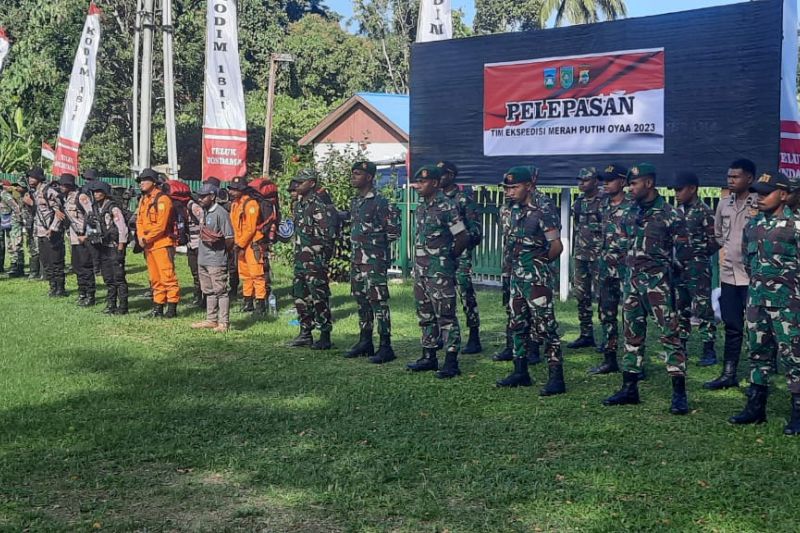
{"x":583,"y":77}
{"x":567,"y":77}
{"x":549,"y":78}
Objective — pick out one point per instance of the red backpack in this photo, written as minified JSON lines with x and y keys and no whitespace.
{"x":180,"y":194}
{"x":265,"y":192}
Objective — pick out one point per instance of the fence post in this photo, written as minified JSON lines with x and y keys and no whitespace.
{"x":563,"y":279}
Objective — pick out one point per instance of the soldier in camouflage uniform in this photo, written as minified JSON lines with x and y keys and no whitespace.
{"x":316,"y":223}
{"x":374,"y":225}
{"x":441,"y":237}
{"x":534,"y":242}
{"x":588,"y":239}
{"x":693,"y":282}
{"x":35,"y":270}
{"x":12,"y":211}
{"x":468,"y":209}
{"x":654,"y":231}
{"x":612,"y":272}
{"x":771,"y":246}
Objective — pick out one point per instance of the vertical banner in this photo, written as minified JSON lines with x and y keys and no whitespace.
{"x":5,"y":46}
{"x":80,"y":96}
{"x":224,"y":125}
{"x":790,"y":118}
{"x":435,"y":21}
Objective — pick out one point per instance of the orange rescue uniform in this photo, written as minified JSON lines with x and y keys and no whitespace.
{"x":154,"y":225}
{"x":245,"y":213}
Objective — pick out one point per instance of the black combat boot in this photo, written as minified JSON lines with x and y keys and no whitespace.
{"x":726,"y":380}
{"x":450,"y":367}
{"x":304,"y":338}
{"x":628,"y":394}
{"x":122,"y":308}
{"x":473,"y":342}
{"x":363,"y":347}
{"x":709,"y":355}
{"x":52,"y":292}
{"x":428,"y":361}
{"x":89,"y":299}
{"x":755,"y":410}
{"x":555,"y":381}
{"x":111,"y":306}
{"x":156,"y":312}
{"x":247,"y":305}
{"x":199,"y":301}
{"x":793,"y":427}
{"x":385,"y":352}
{"x":586,"y":340}
{"x":608,"y":366}
{"x":81,"y":298}
{"x":17,"y":272}
{"x":519,"y":377}
{"x":61,"y":292}
{"x":534,"y":355}
{"x":324,"y":341}
{"x":260,"y":308}
{"x":507,"y":353}
{"x":172,"y":310}
{"x":680,"y":401}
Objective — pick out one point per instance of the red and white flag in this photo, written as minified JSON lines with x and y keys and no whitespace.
{"x":790,"y":117}
{"x":48,"y":152}
{"x":80,"y":96}
{"x":5,"y":46}
{"x":224,"y":125}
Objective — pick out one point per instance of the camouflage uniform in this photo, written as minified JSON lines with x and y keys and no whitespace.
{"x":468,"y":210}
{"x":437,"y":223}
{"x":374,"y":226}
{"x":588,"y":239}
{"x":315,"y":227}
{"x":652,"y":231}
{"x":612,"y":271}
{"x":10,"y":207}
{"x":693,"y":281}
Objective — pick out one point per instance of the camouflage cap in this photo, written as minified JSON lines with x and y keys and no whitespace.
{"x":239,"y":183}
{"x":366,"y":166}
{"x":427,"y":172}
{"x":771,"y":181}
{"x":641,"y":170}
{"x":587,"y":173}
{"x":447,"y":166}
{"x":614,"y":172}
{"x":306,"y":174}
{"x":516,"y":176}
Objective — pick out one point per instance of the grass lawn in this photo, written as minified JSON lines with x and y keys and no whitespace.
{"x":124,"y":424}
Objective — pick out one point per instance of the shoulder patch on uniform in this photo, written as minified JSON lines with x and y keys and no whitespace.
{"x":161,"y":206}
{"x":252,"y":210}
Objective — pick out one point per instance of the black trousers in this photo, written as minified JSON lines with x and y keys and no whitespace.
{"x":52,"y":253}
{"x":191,"y":254}
{"x":732,"y":304}
{"x":95,"y":253}
{"x":112,"y":266}
{"x":83,"y":267}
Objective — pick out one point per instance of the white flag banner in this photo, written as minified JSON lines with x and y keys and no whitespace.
{"x":5,"y":46}
{"x":790,"y":117}
{"x":80,"y":96}
{"x":224,"y":124}
{"x":435,"y":21}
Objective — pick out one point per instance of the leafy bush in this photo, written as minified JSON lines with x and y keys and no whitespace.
{"x":16,"y":143}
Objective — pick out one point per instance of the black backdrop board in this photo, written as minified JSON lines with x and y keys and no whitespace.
{"x":721,"y":99}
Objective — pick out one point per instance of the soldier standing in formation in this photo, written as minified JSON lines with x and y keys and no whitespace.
{"x":772,"y":248}
{"x":693,"y":281}
{"x":588,"y":239}
{"x":732,"y":216}
{"x":11,"y":210}
{"x":612,"y":271}
{"x":374,"y":225}
{"x":48,"y":219}
{"x":109,"y":240}
{"x":76,"y":206}
{"x":440,"y":239}
{"x":245,"y":215}
{"x":316,"y":221}
{"x":533,"y":242}
{"x":468,"y":209}
{"x":653,"y":230}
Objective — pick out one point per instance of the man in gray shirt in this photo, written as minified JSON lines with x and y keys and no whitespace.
{"x":216,"y":243}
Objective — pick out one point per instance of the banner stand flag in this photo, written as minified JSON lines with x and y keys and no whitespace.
{"x":435,"y":21}
{"x":5,"y":46}
{"x":224,"y":123}
{"x":790,"y":117}
{"x":80,"y":97}
{"x":48,"y":152}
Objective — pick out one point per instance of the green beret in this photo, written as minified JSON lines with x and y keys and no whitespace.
{"x":427,"y":172}
{"x":587,"y":173}
{"x":366,"y":166}
{"x":306,"y":174}
{"x":517,"y":175}
{"x":641,"y":170}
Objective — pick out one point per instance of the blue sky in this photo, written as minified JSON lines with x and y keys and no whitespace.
{"x":636,"y":8}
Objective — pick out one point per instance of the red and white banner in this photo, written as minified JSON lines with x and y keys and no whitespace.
{"x":48,"y":152}
{"x":611,"y":103}
{"x":5,"y":46}
{"x":224,"y":125}
{"x":80,"y":96}
{"x":790,"y":117}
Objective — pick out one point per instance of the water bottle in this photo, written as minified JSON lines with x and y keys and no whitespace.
{"x":273,"y":304}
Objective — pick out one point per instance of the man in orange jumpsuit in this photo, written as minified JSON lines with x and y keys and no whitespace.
{"x":155,"y":230}
{"x":245,"y":217}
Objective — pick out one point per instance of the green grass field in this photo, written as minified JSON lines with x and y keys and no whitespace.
{"x":124,"y":424}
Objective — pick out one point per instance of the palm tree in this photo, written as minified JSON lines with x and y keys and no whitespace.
{"x":582,"y":11}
